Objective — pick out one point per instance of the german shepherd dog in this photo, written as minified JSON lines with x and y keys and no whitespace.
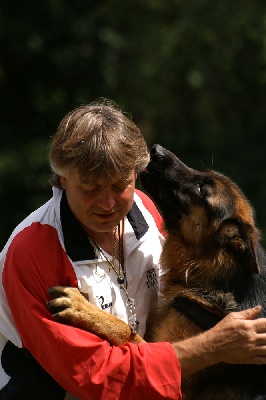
{"x":213,"y":264}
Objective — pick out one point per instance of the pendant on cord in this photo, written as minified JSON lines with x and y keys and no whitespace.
{"x":120,"y":280}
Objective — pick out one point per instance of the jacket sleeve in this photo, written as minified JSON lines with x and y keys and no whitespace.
{"x":79,"y":361}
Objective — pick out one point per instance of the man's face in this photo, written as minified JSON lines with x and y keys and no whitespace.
{"x":97,"y":206}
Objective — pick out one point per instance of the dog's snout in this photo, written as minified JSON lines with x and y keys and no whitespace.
{"x":157,"y":150}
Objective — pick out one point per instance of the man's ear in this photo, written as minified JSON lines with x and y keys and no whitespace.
{"x":241,"y":239}
{"x":62,"y":181}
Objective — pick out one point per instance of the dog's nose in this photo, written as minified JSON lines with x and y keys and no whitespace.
{"x":157,"y":149}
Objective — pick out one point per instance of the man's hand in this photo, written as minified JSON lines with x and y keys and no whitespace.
{"x":237,"y":339}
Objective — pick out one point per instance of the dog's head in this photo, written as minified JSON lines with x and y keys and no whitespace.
{"x":206,"y":211}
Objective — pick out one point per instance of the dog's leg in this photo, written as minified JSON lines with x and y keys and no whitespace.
{"x":69,"y":306}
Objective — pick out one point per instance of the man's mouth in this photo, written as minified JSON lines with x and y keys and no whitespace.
{"x":105,"y":215}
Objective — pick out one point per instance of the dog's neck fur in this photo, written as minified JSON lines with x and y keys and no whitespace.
{"x":213,"y":287}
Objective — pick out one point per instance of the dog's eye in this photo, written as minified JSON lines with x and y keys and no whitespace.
{"x":201,"y":188}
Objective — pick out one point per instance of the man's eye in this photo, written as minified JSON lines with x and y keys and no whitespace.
{"x":89,"y":190}
{"x":120,"y":188}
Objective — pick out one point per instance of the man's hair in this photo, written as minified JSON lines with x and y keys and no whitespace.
{"x":98,"y":140}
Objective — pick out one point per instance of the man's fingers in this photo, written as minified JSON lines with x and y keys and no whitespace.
{"x":260,"y":327}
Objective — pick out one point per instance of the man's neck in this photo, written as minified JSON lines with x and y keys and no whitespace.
{"x":107,"y":241}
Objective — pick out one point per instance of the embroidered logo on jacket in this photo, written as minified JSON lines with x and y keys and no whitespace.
{"x":103,"y":303}
{"x":152,"y":278}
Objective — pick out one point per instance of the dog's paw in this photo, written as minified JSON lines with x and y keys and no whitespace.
{"x":67,"y":304}
{"x":63,"y":291}
{"x":70,"y":307}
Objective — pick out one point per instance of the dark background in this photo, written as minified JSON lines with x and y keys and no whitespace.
{"x":191,"y":73}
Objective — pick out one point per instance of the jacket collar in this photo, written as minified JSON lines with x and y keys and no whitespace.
{"x":77,"y":244}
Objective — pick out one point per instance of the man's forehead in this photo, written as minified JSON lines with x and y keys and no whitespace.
{"x":106,"y":181}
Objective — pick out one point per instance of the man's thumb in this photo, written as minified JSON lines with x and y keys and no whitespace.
{"x":250,"y":313}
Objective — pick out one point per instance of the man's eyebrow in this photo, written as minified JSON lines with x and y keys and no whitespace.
{"x":86,"y":180}
{"x":117,"y":180}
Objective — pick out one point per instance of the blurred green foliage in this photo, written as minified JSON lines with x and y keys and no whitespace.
{"x":191,"y":73}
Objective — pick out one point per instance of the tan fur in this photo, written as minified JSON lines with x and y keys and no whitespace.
{"x":84,"y":315}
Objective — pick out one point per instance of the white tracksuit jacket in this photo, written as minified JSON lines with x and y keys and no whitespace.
{"x":43,"y":359}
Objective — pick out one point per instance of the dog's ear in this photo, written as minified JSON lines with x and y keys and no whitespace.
{"x":241,"y":239}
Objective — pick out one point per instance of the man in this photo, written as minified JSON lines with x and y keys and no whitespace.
{"x":96,"y":234}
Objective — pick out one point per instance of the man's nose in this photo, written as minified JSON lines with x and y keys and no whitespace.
{"x":106,"y":200}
